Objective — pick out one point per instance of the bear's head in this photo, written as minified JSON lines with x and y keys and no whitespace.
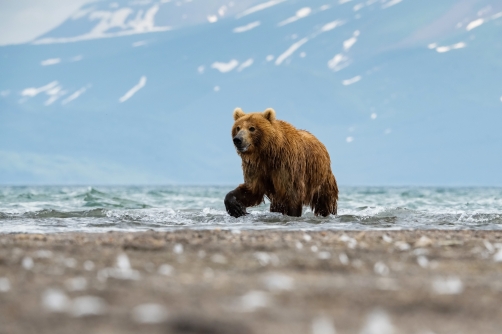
{"x":253,"y":130}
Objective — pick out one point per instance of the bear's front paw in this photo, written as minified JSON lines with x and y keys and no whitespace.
{"x":234,"y":207}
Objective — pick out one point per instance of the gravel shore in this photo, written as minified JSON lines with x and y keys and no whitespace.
{"x":218,"y":281}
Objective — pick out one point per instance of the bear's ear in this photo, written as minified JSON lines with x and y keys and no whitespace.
{"x":269,"y":114}
{"x":238,"y":113}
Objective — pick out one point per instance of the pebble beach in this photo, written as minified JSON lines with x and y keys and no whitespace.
{"x":223,"y":281}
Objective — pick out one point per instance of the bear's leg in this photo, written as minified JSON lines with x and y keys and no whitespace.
{"x":295,"y":210}
{"x":277,"y":207}
{"x":239,"y":199}
{"x":324,"y":201}
{"x":286,"y":209}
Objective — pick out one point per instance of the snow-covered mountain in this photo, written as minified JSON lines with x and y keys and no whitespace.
{"x":400,"y":91}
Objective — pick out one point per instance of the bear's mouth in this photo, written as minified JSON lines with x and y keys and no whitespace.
{"x":242,"y":149}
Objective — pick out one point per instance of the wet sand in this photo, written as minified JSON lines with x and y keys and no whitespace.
{"x":252,"y":282}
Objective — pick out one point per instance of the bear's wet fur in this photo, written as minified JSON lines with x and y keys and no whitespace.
{"x":291,"y":167}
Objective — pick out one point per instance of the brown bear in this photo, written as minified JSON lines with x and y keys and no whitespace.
{"x":290,"y":167}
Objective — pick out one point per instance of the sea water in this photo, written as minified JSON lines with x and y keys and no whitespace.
{"x":162,"y":208}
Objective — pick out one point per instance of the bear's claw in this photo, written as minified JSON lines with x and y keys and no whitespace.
{"x":234,"y":207}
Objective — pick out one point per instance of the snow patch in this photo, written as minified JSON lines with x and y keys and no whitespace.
{"x":351,"y":81}
{"x":113,"y":20}
{"x":51,"y":61}
{"x":358,"y":7}
{"x":134,"y":90}
{"x":340,"y":61}
{"x":259,"y":7}
{"x":74,"y":95}
{"x":443,"y":49}
{"x":351,"y":41}
{"x":247,"y":27}
{"x":391,"y":3}
{"x":474,"y":24}
{"x":245,"y":64}
{"x":225,"y":67}
{"x":290,"y":50}
{"x":332,"y":25}
{"x":301,"y":13}
{"x":139,"y":43}
{"x":212,"y":18}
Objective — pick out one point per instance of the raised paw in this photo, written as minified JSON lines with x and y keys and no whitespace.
{"x":234,"y":207}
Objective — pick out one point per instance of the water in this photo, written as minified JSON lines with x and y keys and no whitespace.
{"x":101,"y":209}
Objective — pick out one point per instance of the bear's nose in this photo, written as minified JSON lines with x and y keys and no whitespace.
{"x":237,"y":141}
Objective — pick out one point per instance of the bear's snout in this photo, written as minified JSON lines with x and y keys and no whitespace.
{"x":237,"y":141}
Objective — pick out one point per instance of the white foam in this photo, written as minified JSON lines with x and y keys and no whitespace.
{"x":259,"y":7}
{"x":323,"y":325}
{"x":341,"y":2}
{"x":245,"y":64}
{"x":216,"y":88}
{"x":474,"y":24}
{"x":247,"y":27}
{"x":77,"y":58}
{"x":351,"y":81}
{"x":391,"y":3}
{"x":5,"y":93}
{"x":149,"y":313}
{"x":134,"y":90}
{"x":301,"y":13}
{"x":225,"y":67}
{"x":269,"y":58}
{"x":497,"y":16}
{"x":324,"y":7}
{"x":201,"y":69}
{"x":432,"y":46}
{"x":51,"y":61}
{"x":349,"y":139}
{"x":290,"y":50}
{"x":73,"y":96}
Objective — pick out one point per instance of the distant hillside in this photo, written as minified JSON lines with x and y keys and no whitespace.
{"x":400,"y":91}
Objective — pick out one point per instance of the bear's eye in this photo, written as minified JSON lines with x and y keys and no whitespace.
{"x":238,"y":129}
{"x":252,"y":129}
